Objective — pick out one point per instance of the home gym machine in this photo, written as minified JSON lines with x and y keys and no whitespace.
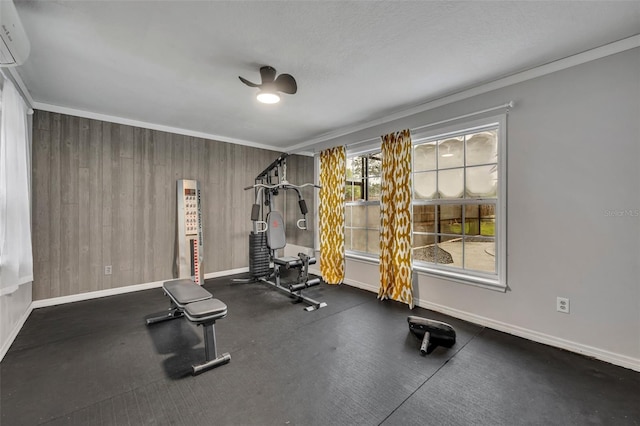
{"x":268,"y":236}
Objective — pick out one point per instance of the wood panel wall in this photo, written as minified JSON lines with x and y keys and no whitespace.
{"x":105,"y":194}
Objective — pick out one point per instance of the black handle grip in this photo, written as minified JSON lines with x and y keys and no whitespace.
{"x":303,"y":207}
{"x":255,"y":212}
{"x":425,"y":343}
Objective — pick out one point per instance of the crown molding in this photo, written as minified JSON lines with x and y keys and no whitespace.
{"x":152,"y":126}
{"x":551,"y":67}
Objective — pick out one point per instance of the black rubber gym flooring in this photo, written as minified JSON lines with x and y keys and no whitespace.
{"x":353,"y":362}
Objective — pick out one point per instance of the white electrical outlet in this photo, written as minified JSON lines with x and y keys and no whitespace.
{"x":107,"y":270}
{"x":562,"y":305}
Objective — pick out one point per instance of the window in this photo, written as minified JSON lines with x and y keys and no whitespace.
{"x":362,"y":209}
{"x":457,"y":200}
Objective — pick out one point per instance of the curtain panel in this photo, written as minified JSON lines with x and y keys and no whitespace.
{"x":16,"y":260}
{"x":332,"y":180}
{"x":395,"y":217}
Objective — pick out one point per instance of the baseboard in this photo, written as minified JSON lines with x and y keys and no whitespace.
{"x":535,"y":336}
{"x":225,"y":273}
{"x":590,"y":351}
{"x":14,"y":333}
{"x":94,"y":294}
{"x":359,"y":284}
{"x":352,"y":283}
{"x":120,"y":290}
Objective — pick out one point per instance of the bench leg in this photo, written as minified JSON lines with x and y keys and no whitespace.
{"x":210,"y":351}
{"x":172,"y":313}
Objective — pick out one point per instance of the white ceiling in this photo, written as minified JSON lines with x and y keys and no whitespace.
{"x":176,"y":63}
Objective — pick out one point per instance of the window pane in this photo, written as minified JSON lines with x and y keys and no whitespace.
{"x":451,"y":183}
{"x":451,"y":153}
{"x":423,"y":240}
{"x":433,"y":253}
{"x":450,"y":221}
{"x":358,"y":216}
{"x":347,"y":216}
{"x":374,"y":166}
{"x":482,"y":148}
{"x":373,"y":216}
{"x":472,"y":219}
{"x":374,"y":188}
{"x":482,"y":181}
{"x":348,"y":192}
{"x":359,"y":239}
{"x":347,"y":239}
{"x":424,"y":185}
{"x":358,"y":193}
{"x":488,"y":219}
{"x":354,"y":191}
{"x":373,"y":241}
{"x":450,"y":252}
{"x":480,"y":254}
{"x":424,"y":219}
{"x":424,"y":157}
{"x":354,"y":168}
{"x":488,"y":227}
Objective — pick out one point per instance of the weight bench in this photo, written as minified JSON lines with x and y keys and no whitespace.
{"x":190,"y":300}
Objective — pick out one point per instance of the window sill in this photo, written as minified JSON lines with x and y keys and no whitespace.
{"x":482,"y":282}
{"x":488,"y":283}
{"x":363,"y":258}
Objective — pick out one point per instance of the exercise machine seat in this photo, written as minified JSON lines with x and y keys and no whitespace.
{"x":292,"y":261}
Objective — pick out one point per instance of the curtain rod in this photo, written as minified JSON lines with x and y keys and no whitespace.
{"x":507,"y":105}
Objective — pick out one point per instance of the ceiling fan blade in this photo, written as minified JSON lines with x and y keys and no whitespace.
{"x":248,"y":83}
{"x":267,"y":74}
{"x":286,"y":84}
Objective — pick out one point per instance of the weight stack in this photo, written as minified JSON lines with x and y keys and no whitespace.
{"x":258,"y":255}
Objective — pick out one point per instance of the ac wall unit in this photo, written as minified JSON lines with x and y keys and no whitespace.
{"x":14,"y":44}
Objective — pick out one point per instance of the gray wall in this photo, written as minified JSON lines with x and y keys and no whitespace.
{"x":105,"y":194}
{"x":573,"y":156}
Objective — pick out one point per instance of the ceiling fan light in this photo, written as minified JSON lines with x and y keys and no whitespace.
{"x":268,"y":97}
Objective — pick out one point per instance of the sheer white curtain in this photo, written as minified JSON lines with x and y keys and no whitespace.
{"x":16,"y":260}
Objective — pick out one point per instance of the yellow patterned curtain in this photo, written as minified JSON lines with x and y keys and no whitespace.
{"x":395,"y":216}
{"x":332,"y":180}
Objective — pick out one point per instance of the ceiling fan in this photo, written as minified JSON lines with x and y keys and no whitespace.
{"x":271,"y":85}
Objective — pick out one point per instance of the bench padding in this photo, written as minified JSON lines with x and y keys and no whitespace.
{"x":185,"y":291}
{"x":205,"y":310}
{"x":291,"y":261}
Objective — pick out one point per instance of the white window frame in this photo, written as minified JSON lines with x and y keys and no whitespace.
{"x":497,"y":281}
{"x":354,"y":253}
